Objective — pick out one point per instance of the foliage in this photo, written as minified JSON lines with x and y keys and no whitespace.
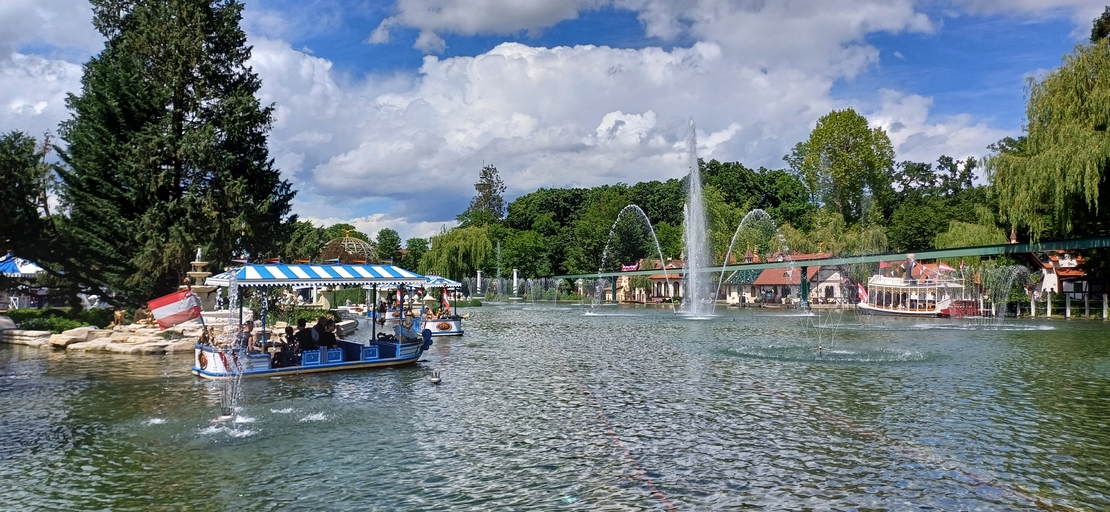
{"x":25,"y":227}
{"x":488,"y":205}
{"x":457,"y":253}
{"x":1055,"y":182}
{"x":389,"y":245}
{"x":166,"y":150}
{"x":58,"y":320}
{"x":842,"y":161}
{"x":305,"y":241}
{"x":414,"y":251}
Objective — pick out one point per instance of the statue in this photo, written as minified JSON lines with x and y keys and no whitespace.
{"x":118,"y":319}
{"x":143,"y":316}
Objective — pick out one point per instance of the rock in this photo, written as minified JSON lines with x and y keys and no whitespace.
{"x":6,"y":323}
{"x":61,"y":341}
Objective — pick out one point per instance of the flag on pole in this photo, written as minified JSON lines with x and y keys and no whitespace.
{"x":333,"y":260}
{"x":446,"y":303}
{"x":175,"y":308}
{"x":302,"y":260}
{"x":946,"y":268}
{"x":239,"y":260}
{"x":272,"y":261}
{"x":862,"y":293}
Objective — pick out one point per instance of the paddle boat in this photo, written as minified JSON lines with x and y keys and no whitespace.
{"x":925,"y":291}
{"x":218,"y":357}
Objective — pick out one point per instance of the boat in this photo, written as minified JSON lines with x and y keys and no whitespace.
{"x":447,"y":325}
{"x":218,"y":359}
{"x":925,"y":291}
{"x":910,"y":297}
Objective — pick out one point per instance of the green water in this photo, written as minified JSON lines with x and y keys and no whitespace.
{"x":545,"y":408}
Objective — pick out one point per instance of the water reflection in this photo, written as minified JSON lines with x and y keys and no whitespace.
{"x":545,"y":409}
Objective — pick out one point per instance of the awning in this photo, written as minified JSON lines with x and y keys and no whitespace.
{"x":12,"y":266}
{"x":430,"y":282}
{"x":321,"y":275}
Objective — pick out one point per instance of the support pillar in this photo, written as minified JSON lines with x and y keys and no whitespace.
{"x":1032,"y":306}
{"x":1104,"y":297}
{"x":478,"y":284}
{"x":1087,"y":304}
{"x":516,"y":282}
{"x":1067,"y":305}
{"x":1048,"y":305}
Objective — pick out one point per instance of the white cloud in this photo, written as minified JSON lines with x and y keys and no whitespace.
{"x":471,"y":17}
{"x":905,"y":117}
{"x":403,"y":150}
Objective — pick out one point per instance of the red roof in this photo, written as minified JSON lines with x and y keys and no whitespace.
{"x":785,"y":276}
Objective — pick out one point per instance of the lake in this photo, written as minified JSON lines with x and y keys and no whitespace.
{"x":546,"y":407}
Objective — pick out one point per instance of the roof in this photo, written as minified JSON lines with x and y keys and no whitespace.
{"x":744,"y":277}
{"x":441,"y":282}
{"x":785,"y":276}
{"x":294,"y":275}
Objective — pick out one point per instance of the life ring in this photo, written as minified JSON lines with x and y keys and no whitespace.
{"x":396,"y":314}
{"x":202,"y":360}
{"x":443,"y":326}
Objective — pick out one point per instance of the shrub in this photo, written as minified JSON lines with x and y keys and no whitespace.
{"x":54,"y":324}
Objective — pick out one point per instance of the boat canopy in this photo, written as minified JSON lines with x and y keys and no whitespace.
{"x":320,"y":275}
{"x":428,"y":282}
{"x":441,"y":282}
{"x":12,"y":266}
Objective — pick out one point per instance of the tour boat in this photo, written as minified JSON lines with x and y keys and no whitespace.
{"x":218,"y":359}
{"x":931,"y":297}
{"x":447,"y":325}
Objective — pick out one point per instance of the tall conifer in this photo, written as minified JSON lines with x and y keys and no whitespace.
{"x":166,"y":149}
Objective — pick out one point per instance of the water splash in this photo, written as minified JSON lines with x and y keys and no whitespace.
{"x":600,"y":285}
{"x":694,"y":238}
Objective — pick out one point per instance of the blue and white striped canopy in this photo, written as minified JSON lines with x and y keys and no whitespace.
{"x":441,"y":282}
{"x":308,"y":275}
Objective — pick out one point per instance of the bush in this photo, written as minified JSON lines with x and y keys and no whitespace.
{"x":54,"y":324}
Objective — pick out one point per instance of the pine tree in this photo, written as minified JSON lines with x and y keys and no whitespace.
{"x":488,"y":205}
{"x":166,"y":149}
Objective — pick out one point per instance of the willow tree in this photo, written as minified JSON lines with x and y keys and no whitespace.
{"x":457,"y":253}
{"x":1054,"y":181}
{"x":844,"y":163}
{"x":166,"y":149}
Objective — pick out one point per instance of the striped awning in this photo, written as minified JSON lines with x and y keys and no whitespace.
{"x":323,"y":275}
{"x":441,"y":282}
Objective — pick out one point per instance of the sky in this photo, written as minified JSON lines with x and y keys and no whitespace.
{"x":385,"y":111}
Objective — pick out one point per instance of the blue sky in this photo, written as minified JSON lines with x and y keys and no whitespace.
{"x":387,"y":110}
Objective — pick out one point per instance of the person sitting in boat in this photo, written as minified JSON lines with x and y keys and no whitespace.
{"x":306,"y":339}
{"x":243,"y":339}
{"x":444,"y":313}
{"x":331,"y":340}
{"x":429,"y":314}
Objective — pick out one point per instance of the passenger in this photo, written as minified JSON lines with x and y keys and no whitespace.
{"x":382,"y":309}
{"x":327,"y":337}
{"x":444,"y":313}
{"x":306,"y":338}
{"x":243,"y":339}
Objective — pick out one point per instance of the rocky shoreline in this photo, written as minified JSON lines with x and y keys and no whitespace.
{"x":128,"y":339}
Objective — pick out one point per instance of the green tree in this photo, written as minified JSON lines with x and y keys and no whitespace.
{"x":488,"y":205}
{"x":527,"y":252}
{"x":344,"y":229}
{"x":843,"y":162}
{"x":1055,"y":181}
{"x":1101,"y":27}
{"x":166,"y":150}
{"x":457,"y":253}
{"x":414,"y":250}
{"x":389,"y":245}
{"x":25,"y":226}
{"x":305,"y":241}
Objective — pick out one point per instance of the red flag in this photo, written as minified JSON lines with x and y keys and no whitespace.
{"x":946,"y":268}
{"x":175,"y":308}
{"x":862,"y":293}
{"x":446,"y":303}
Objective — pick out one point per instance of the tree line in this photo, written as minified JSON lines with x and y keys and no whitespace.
{"x":165,"y":151}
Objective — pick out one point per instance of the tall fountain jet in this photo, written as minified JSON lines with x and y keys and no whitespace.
{"x":696,"y":282}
